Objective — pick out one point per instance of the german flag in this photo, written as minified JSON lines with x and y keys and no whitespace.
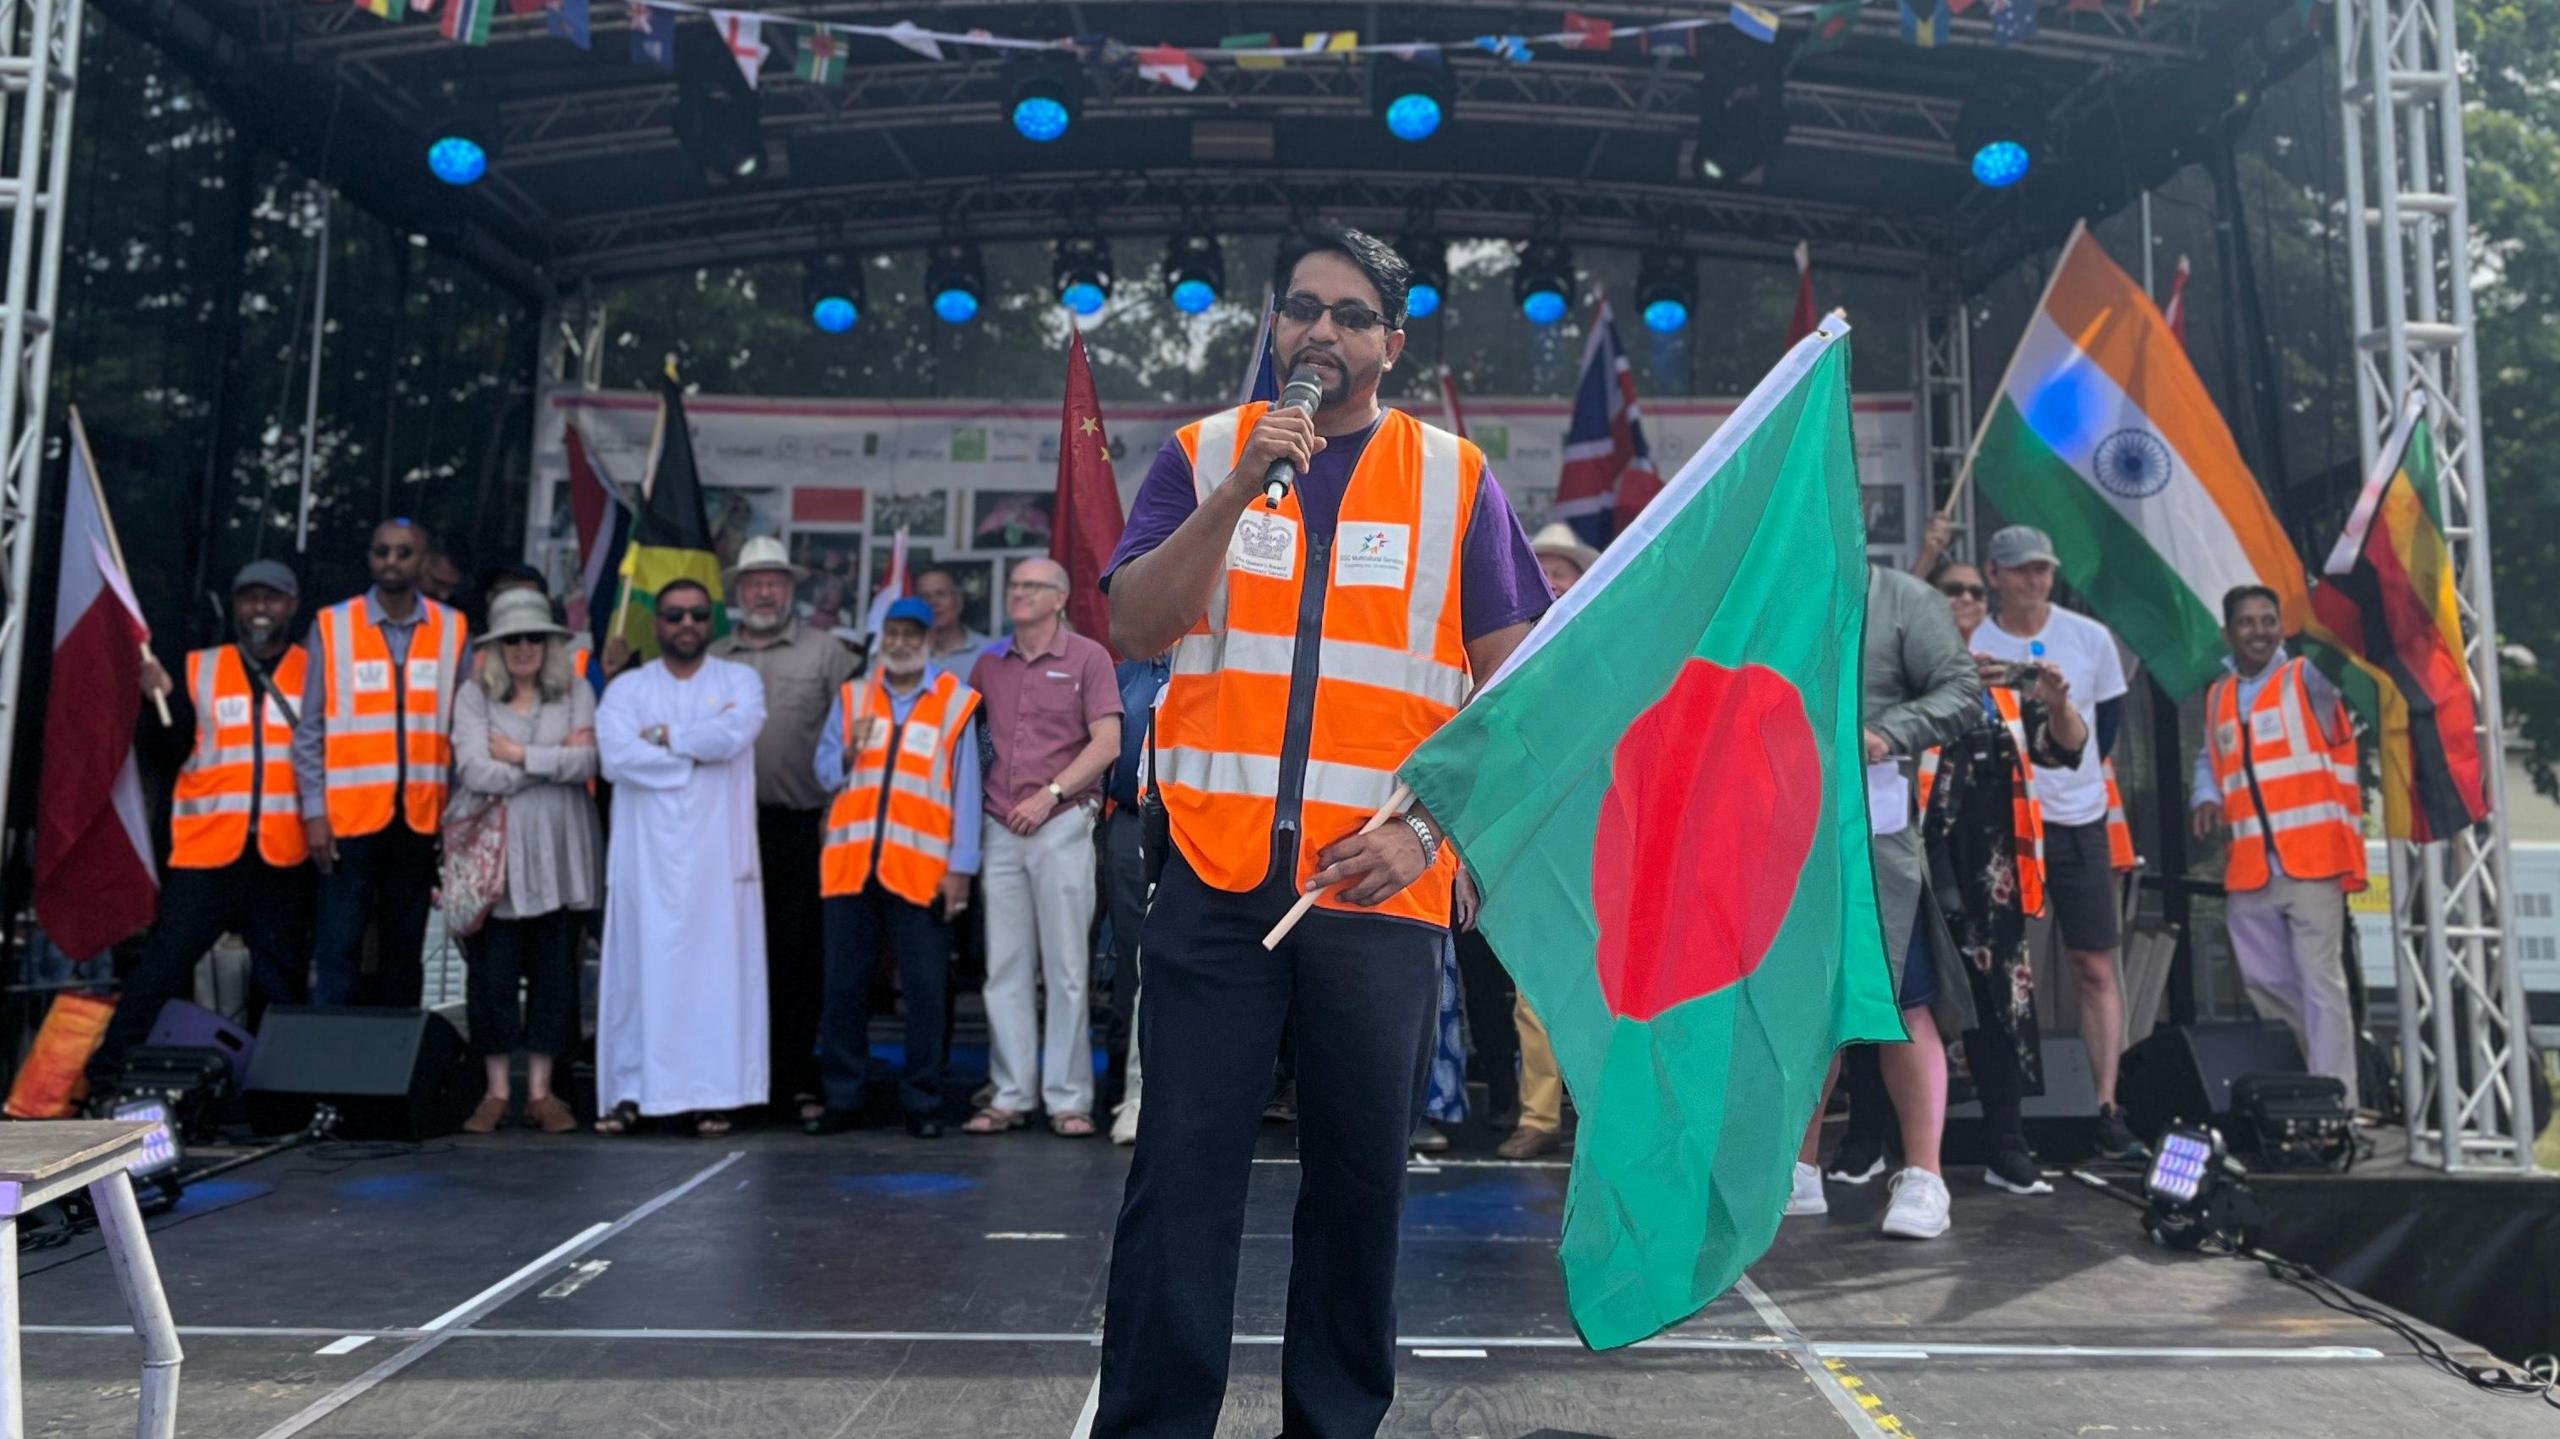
{"x":2385,"y":608}
{"x":672,"y":539}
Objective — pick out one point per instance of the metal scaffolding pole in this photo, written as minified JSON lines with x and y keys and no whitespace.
{"x":39,"y":63}
{"x":2462,"y":1032}
{"x":1946,"y":402}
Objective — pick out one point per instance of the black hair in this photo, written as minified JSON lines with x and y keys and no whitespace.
{"x":1939,"y":570}
{"x":937,"y":567}
{"x":2238,"y":595}
{"x":518,"y":573}
{"x":671,"y":586}
{"x":1386,"y":270}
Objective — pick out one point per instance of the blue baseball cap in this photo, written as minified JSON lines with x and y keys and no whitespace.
{"x":913,"y":610}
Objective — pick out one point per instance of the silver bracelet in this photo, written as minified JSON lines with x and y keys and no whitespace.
{"x":1430,"y":841}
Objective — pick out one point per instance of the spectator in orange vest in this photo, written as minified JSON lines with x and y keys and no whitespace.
{"x":373,"y":754}
{"x":2276,"y":775}
{"x":236,"y":849}
{"x":901,"y":844}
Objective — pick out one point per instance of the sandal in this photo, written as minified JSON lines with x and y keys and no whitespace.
{"x":620,"y":1119}
{"x":549,"y":1115}
{"x":1071,"y":1126}
{"x":487,"y":1116}
{"x":991,"y":1120}
{"x":711,"y":1124}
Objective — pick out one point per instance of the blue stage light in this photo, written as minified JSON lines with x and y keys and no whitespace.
{"x":1040,"y":118}
{"x":955,"y":277}
{"x":955,"y":307}
{"x":1543,"y":307}
{"x":1084,"y":297}
{"x":457,"y":159}
{"x":1543,"y":280}
{"x":1413,"y":117}
{"x":1665,"y":290}
{"x":1193,"y":296}
{"x":1422,"y":301}
{"x":1666,"y":317}
{"x":834,"y":314}
{"x":2001,"y":163}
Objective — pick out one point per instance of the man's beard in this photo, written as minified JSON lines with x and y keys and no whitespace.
{"x":684,"y":644}
{"x":1341,"y":379}
{"x":763,"y":624}
{"x":898,"y":673}
{"x":260,"y":630}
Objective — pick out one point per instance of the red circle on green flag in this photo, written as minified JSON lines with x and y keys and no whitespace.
{"x":1714,"y":795}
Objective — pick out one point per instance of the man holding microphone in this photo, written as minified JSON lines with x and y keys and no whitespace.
{"x":1316,"y":639}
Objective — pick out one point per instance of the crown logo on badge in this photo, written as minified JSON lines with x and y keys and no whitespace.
{"x":1260,"y":539}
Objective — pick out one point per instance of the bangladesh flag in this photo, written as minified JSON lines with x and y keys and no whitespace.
{"x":1662,"y":797}
{"x":672,"y":539}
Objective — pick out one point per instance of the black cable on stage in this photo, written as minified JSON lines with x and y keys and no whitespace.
{"x":2537,"y":1378}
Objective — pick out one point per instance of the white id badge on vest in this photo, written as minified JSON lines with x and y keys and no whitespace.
{"x":2227,"y":737}
{"x":1264,"y":544}
{"x":231,"y":710}
{"x":1372,"y":554}
{"x":920,"y":738}
{"x":373,"y":676}
{"x":423,"y":675}
{"x":2266,"y":726}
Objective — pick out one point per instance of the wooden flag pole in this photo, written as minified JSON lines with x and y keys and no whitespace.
{"x":115,"y":546}
{"x":1395,"y":805}
{"x":631,"y":552}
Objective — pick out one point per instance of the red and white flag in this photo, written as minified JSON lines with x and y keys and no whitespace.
{"x":2175,"y":312}
{"x":95,"y":883}
{"x":744,"y":35}
{"x":1805,"y":318}
{"x":1171,"y":65}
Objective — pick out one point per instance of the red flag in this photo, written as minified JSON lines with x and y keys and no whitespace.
{"x":1585,"y":33}
{"x":2176,"y":311}
{"x":1449,"y":407}
{"x":95,"y":883}
{"x":1805,"y":318}
{"x":1085,"y":527}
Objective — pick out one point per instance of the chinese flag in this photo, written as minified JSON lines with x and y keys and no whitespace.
{"x":1086,"y":526}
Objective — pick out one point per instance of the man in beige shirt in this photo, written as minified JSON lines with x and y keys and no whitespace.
{"x":802,"y":669}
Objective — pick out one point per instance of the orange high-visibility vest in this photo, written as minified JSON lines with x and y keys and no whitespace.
{"x":901,"y":809}
{"x":2280,"y":774}
{"x":374,"y":708}
{"x":228,"y":774}
{"x":2026,"y":812}
{"x":1389,"y":661}
{"x":2120,"y":855}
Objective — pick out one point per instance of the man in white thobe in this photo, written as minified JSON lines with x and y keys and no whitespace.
{"x":681,"y":1028}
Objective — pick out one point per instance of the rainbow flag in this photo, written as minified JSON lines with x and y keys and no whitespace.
{"x":2103,"y":437}
{"x":2385,"y":607}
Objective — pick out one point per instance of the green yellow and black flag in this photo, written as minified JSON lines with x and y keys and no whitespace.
{"x":2386,"y":608}
{"x":672,"y":540}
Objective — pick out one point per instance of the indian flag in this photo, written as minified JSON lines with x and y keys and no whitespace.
{"x":2104,"y":438}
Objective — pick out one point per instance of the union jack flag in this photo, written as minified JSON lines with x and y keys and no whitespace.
{"x":1608,"y":469}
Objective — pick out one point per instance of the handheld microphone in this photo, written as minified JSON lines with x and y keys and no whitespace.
{"x":1306,"y":388}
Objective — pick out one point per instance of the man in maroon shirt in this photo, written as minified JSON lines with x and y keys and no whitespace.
{"x":1053,"y":725}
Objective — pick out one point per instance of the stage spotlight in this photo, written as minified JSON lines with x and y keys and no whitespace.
{"x":832,"y":289}
{"x":1082,"y":271}
{"x":1047,"y":97}
{"x":162,"y":1152}
{"x":1665,"y":291}
{"x":460,"y":145}
{"x":1998,"y":134}
{"x":1742,"y":105}
{"x":1194,"y":271}
{"x":955,"y":276}
{"x":1413,"y":99}
{"x":1428,"y":258}
{"x":1543,"y":282}
{"x":2196,"y":1193}
{"x":716,"y":119}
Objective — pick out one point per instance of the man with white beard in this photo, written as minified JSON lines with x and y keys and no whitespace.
{"x":680,"y":1027}
{"x":802,"y":668}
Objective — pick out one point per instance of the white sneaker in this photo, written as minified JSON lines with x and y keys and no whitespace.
{"x":1124,"y":1124}
{"x":1919,"y":1208}
{"x":1807,"y":1196}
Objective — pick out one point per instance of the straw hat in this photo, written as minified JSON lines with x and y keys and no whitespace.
{"x":521,"y":612}
{"x":1559,"y":539}
{"x":764,"y":552}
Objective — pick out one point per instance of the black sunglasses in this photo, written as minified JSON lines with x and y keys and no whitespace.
{"x":1961,"y":590}
{"x":534,"y":641}
{"x":686,"y":615}
{"x":384,"y":552}
{"x":1349,"y":315}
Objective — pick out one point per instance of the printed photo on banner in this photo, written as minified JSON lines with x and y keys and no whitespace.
{"x":1532,"y":504}
{"x":832,"y":595}
{"x":977,"y":581}
{"x":918,"y":556}
{"x":923,"y":514}
{"x":1011,"y":519}
{"x":739,"y":515}
{"x":1885,"y":507}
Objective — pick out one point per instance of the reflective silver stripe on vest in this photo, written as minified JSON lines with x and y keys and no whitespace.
{"x":1251,"y":776}
{"x":202,"y":805}
{"x":427,"y":774}
{"x":364,"y":775}
{"x":1214,"y":456}
{"x":339,"y":620}
{"x":448,"y":672}
{"x":1435,"y":549}
{"x":924,"y":844}
{"x":2299,"y":817}
{"x":858,"y":832}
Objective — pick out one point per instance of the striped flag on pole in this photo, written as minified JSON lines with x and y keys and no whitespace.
{"x":1608,"y":468}
{"x":467,"y":21}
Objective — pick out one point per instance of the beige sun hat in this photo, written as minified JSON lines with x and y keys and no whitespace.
{"x":521,"y":612}
{"x":764,"y":552}
{"x":1558,"y":538}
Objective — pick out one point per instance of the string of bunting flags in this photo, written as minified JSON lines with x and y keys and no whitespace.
{"x":819,"y":48}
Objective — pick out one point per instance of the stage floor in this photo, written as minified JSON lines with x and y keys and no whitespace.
{"x":871,"y":1285}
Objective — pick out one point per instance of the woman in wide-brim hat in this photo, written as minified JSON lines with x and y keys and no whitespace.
{"x":1557,"y":544}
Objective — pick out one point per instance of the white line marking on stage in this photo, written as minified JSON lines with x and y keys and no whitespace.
{"x":580,"y":1275}
{"x":1448,"y":1354}
{"x":1426,"y":1166}
{"x":348,"y":1345}
{"x":486,"y":1301}
{"x":1092,"y":1405}
{"x":1028,"y":1234}
{"x":1802,"y":1353}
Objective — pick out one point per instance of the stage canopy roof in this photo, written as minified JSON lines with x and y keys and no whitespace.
{"x":1590,"y":145}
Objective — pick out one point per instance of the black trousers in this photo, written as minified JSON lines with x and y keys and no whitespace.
{"x":270,"y":908}
{"x":388,"y":877}
{"x":1124,"y":900}
{"x":1361,"y":996}
{"x":523,"y":989}
{"x":1491,"y":1029}
{"x":921,"y":944}
{"x":795,"y":954}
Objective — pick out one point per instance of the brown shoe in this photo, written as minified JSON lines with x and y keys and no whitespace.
{"x":1527,"y":1143}
{"x":549,"y":1115}
{"x":485,"y":1119}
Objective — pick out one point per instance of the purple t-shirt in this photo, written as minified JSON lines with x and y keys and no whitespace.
{"x":1499,"y":581}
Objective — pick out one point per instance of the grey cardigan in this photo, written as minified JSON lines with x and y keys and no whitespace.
{"x":555,"y":857}
{"x":1921,"y":691}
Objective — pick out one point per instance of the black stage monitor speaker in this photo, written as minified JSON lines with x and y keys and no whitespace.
{"x":390,"y":1073}
{"x":2186,"y":1072}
